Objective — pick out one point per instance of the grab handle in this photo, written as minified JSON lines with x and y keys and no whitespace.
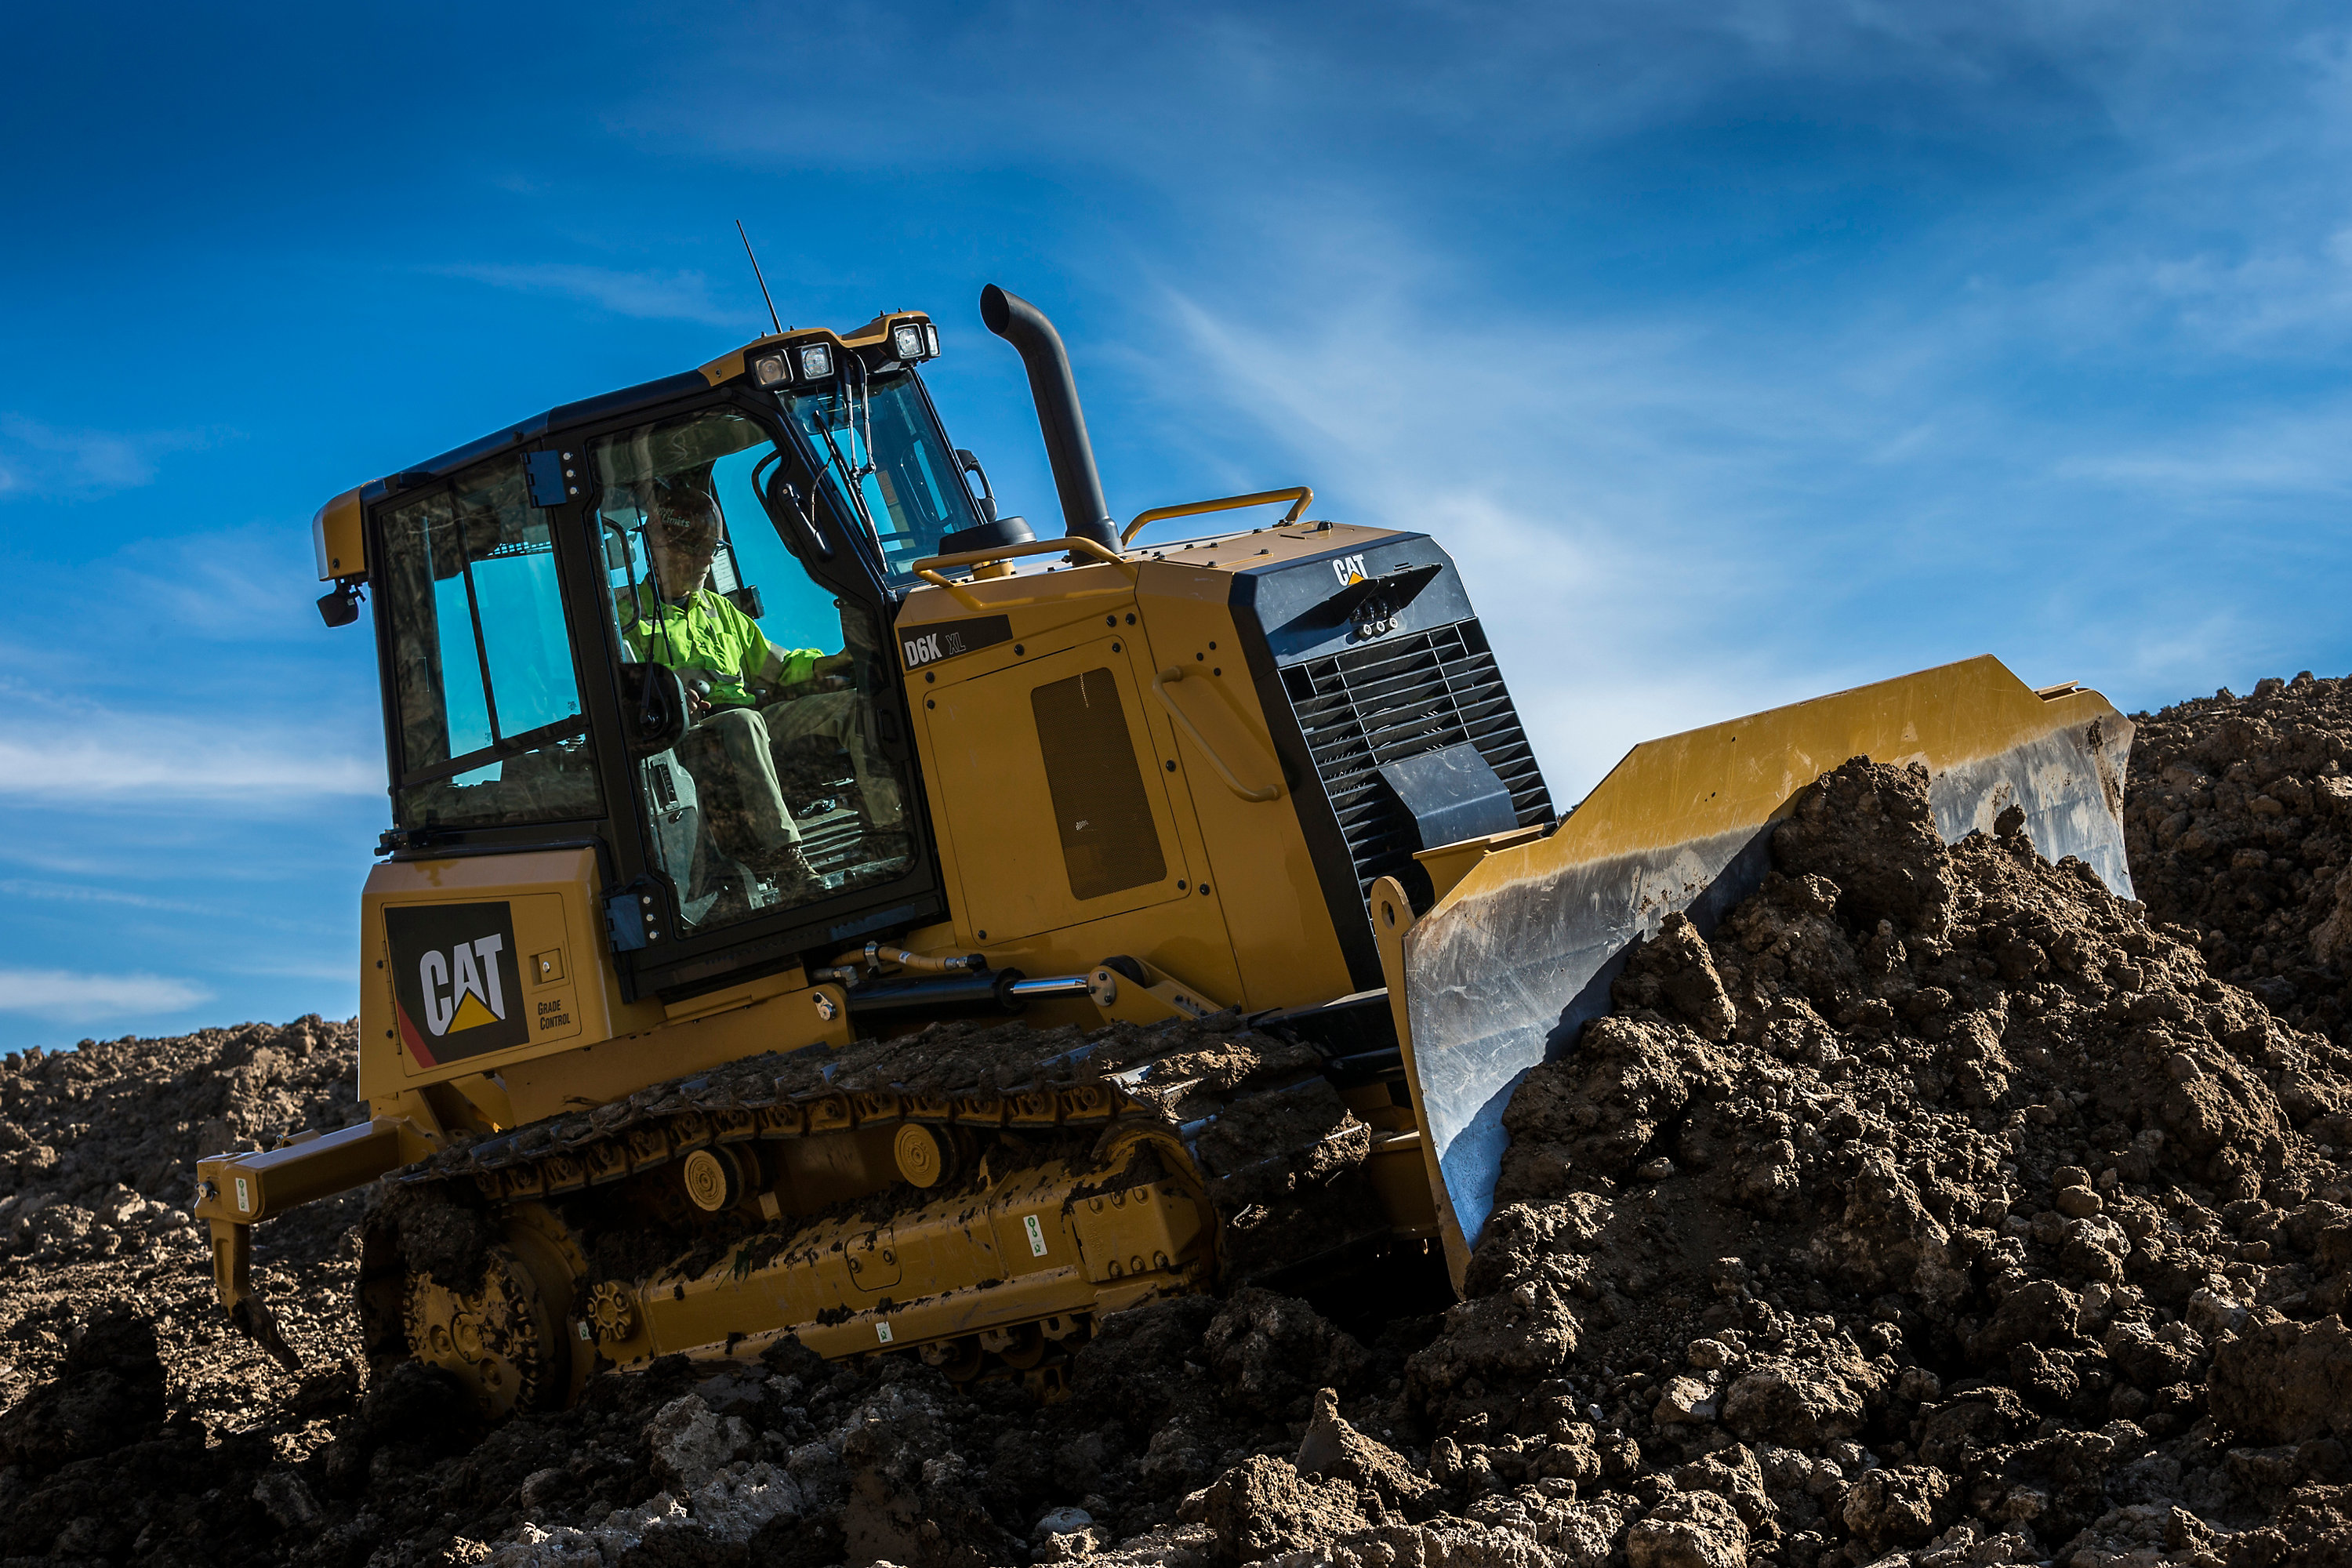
{"x":1159,"y":684}
{"x":929,"y":568}
{"x":1299,"y":496}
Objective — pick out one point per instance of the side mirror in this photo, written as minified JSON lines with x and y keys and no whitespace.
{"x":341,"y":606}
{"x":996,"y":530}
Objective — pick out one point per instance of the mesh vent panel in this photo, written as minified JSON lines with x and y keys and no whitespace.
{"x":1398,"y":698}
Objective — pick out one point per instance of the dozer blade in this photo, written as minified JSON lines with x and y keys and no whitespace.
{"x":1511,"y":962}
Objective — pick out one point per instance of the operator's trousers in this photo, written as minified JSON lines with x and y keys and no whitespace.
{"x":732,"y":755}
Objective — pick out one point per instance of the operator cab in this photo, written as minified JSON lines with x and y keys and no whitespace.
{"x":736,"y":746}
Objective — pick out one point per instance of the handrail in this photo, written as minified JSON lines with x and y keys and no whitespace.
{"x":928,"y":567}
{"x":1159,"y":689}
{"x":1302,"y":497}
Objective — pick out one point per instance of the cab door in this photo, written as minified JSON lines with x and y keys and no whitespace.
{"x":830,"y":767}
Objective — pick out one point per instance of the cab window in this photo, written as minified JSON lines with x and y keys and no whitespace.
{"x":490,"y":730}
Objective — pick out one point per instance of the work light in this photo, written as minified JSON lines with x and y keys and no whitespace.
{"x":772,"y":370}
{"x":907,"y":340}
{"x":816,"y":360}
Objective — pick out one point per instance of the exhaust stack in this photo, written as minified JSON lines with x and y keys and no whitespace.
{"x":1085,"y":513}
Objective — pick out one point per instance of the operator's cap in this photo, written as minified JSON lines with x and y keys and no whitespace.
{"x":684,"y":510}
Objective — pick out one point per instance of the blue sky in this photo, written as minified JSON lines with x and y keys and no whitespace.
{"x":1739,"y":352}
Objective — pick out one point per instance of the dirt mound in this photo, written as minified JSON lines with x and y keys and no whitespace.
{"x":1938,"y":1203}
{"x":128,"y":1397}
{"x":139,"y":1427}
{"x":98,"y":1151}
{"x":1937,"y":1207}
{"x":2239,"y":819}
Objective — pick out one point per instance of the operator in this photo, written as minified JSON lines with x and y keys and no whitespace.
{"x":760,"y":698}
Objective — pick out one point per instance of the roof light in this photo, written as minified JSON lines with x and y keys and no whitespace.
{"x":816,"y":360}
{"x":907,"y":340}
{"x":772,"y":370}
{"x":931,"y":336}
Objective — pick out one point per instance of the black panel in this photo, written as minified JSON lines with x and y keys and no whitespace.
{"x":1398,"y":698}
{"x":919,"y":646}
{"x":456,"y":979}
{"x":1345,"y":699}
{"x":1109,"y":842}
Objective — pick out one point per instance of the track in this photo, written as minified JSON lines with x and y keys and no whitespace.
{"x":978,"y":1197}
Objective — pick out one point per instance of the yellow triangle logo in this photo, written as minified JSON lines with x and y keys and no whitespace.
{"x":471,"y":1014}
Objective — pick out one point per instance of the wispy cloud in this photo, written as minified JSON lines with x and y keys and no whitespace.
{"x":44,"y":460}
{"x":682,"y":296}
{"x":81,"y":893}
{"x":1609,"y":514}
{"x":223,"y":585}
{"x":89,"y":756}
{"x":66,"y":997}
{"x":2306,"y":454}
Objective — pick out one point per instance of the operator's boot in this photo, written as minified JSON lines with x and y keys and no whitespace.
{"x":787,"y":868}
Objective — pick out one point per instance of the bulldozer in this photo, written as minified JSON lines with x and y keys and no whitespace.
{"x":818,"y":906}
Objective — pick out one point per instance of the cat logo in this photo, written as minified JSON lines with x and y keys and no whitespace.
{"x":456,"y":987}
{"x":1349,"y":570}
{"x":467,"y":1005}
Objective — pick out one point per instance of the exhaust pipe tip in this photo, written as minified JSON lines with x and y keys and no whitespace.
{"x":1085,"y":514}
{"x":996,"y":310}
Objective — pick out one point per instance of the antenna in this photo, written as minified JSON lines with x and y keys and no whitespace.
{"x":746,"y":239}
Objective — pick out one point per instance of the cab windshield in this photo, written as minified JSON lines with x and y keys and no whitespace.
{"x":886,"y":461}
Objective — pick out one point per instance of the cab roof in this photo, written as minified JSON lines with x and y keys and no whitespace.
{"x":729,"y":366}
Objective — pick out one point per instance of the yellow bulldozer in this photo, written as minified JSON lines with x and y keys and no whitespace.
{"x":818,"y":906}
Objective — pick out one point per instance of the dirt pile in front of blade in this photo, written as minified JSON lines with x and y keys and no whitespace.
{"x":2239,"y":819}
{"x":1937,"y":1204}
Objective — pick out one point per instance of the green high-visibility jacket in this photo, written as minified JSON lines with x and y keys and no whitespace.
{"x":708,"y":632}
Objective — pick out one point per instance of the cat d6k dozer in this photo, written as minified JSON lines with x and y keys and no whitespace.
{"x":749,"y":773}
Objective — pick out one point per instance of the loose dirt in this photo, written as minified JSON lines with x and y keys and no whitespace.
{"x":2240,"y":827}
{"x":1938,"y":1207}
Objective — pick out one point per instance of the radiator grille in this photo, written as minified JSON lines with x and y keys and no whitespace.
{"x":1398,"y":698}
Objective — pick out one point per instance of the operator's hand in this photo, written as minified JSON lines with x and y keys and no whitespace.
{"x":830,"y":673}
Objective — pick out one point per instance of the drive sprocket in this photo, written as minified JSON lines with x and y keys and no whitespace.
{"x":507,"y":1338}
